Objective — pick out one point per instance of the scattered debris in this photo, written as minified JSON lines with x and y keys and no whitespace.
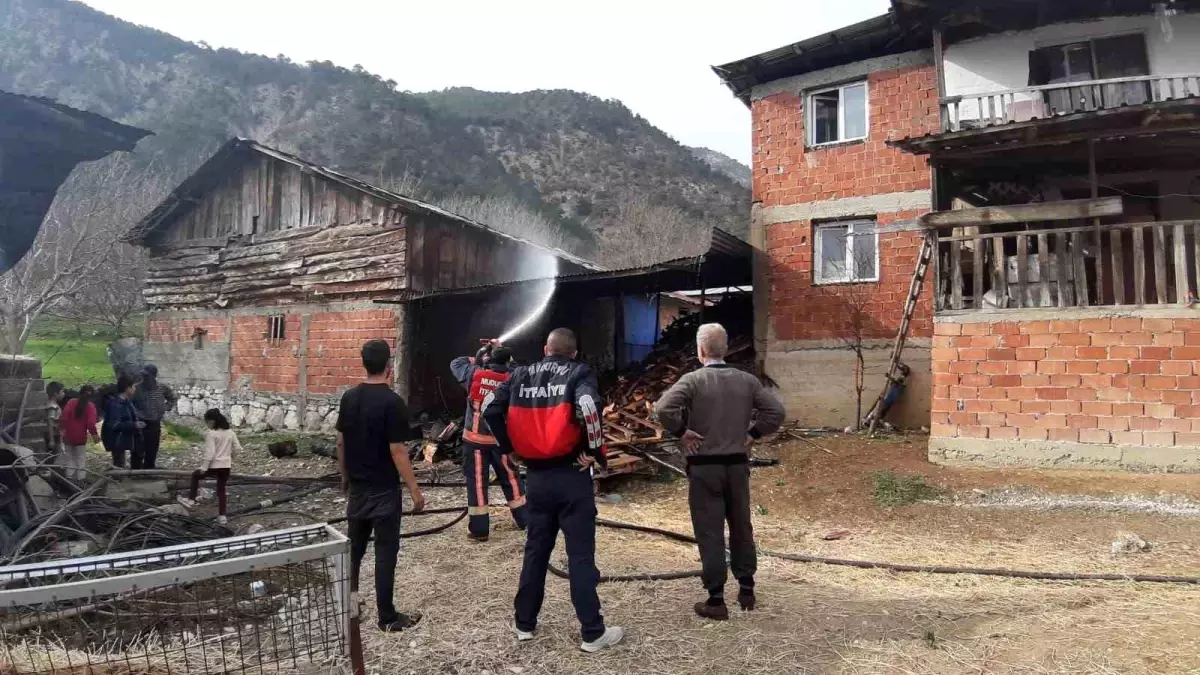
{"x":1128,"y":542}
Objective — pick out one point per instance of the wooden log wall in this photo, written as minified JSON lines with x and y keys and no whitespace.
{"x":273,"y":233}
{"x":303,"y":265}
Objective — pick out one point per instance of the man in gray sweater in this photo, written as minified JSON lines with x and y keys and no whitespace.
{"x":711,"y":411}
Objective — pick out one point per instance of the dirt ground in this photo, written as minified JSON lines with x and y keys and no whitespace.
{"x":812,"y":618}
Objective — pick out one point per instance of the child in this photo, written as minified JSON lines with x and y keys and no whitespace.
{"x":77,"y":423}
{"x":219,"y":445}
{"x":56,"y":396}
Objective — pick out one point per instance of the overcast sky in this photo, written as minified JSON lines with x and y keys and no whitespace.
{"x":654,"y":55}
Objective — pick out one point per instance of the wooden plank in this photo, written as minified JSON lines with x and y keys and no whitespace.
{"x":1022,"y":270}
{"x":1118,"y":266}
{"x":1081,"y":286}
{"x":1160,"y":263}
{"x":956,"y":280}
{"x":1065,"y":290}
{"x":1179,"y":244}
{"x":977,"y":273}
{"x":936,"y":271}
{"x":1043,"y":253}
{"x":1139,"y":265}
{"x":1070,"y":209}
{"x":999,"y":274}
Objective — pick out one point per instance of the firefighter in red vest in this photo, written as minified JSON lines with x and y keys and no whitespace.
{"x":480,"y":376}
{"x":548,"y":413}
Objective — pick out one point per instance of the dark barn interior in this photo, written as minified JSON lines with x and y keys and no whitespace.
{"x":448,"y":324}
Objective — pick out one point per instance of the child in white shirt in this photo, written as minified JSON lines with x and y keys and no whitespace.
{"x":219,"y":445}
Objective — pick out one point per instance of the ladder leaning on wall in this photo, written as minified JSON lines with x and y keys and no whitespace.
{"x":928,"y":247}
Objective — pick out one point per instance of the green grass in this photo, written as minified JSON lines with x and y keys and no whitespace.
{"x":895,"y":490}
{"x":75,"y":354}
{"x":72,"y":362}
{"x":184,"y":433}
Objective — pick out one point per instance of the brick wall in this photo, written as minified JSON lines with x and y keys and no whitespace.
{"x":165,"y":329}
{"x":801,"y":310}
{"x":262,"y":364}
{"x":1106,"y":380}
{"x":335,"y":341}
{"x":902,"y":103}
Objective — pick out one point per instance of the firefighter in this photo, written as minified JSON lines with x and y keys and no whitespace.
{"x":480,"y":376}
{"x":548,"y":414}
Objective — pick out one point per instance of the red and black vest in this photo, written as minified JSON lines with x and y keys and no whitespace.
{"x":542,"y":421}
{"x":483,"y":383}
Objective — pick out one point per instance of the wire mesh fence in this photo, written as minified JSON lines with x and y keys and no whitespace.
{"x":273,"y":602}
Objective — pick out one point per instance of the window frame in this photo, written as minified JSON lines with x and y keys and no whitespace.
{"x":850,"y":277}
{"x":811,"y":114}
{"x":274,"y":321}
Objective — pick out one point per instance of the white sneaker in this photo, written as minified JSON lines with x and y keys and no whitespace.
{"x":523,"y":635}
{"x":612,"y":636}
{"x":185,"y":502}
{"x":221,"y":520}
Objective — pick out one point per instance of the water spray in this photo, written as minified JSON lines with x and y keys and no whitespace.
{"x":539,"y":308}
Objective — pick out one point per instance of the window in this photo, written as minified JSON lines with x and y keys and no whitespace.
{"x":838,"y":114}
{"x":275,"y":326}
{"x":846,"y":252}
{"x":1100,"y":59}
{"x":198,"y":338}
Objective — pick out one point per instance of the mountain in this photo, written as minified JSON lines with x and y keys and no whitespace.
{"x":724,"y":164}
{"x":567,"y":156}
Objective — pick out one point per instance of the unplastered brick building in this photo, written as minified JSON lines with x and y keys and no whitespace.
{"x":1047,"y":153}
{"x":268,"y":273}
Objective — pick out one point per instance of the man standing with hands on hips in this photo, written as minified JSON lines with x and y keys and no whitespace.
{"x":711,"y":411}
{"x":548,"y":413}
{"x":373,"y":428}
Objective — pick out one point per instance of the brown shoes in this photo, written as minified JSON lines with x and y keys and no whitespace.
{"x":713,"y":612}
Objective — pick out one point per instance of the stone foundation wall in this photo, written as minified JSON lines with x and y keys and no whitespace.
{"x":260,"y":411}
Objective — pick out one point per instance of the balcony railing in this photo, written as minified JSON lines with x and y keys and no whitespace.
{"x":1077,"y":264}
{"x":1041,"y":102}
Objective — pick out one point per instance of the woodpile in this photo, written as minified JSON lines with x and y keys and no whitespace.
{"x":630,"y":430}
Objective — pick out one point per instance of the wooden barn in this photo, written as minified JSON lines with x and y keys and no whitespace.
{"x":267,"y":272}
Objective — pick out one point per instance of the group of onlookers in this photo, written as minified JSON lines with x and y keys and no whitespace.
{"x":131,"y":425}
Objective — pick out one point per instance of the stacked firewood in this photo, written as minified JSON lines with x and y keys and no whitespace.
{"x":629,"y":424}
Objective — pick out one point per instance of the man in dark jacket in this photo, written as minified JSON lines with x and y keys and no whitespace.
{"x":549,"y":415}
{"x":480,"y":376}
{"x":711,"y":410}
{"x":153,"y":400}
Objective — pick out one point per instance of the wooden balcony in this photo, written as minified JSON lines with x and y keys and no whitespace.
{"x":1078,"y":262}
{"x":962,"y":113}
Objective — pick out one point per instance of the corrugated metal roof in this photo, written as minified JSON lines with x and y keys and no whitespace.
{"x":722,"y":247}
{"x":878,"y":36}
{"x":234,"y":150}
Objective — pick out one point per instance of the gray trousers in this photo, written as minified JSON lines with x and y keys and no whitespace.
{"x":720,"y":494}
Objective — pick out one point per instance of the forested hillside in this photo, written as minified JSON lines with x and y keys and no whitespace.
{"x":570,"y":158}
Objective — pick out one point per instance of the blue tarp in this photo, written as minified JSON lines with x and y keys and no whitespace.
{"x":641,"y":326}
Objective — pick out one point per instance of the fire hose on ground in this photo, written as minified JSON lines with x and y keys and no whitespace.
{"x":866,"y":564}
{"x":795,"y":557}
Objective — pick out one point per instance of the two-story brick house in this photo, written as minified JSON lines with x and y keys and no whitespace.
{"x":1048,"y":150}
{"x":834,"y":211}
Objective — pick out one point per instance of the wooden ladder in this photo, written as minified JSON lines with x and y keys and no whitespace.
{"x":928,"y":247}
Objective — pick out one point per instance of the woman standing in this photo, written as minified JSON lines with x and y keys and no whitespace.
{"x":123,"y":429}
{"x":77,"y":423}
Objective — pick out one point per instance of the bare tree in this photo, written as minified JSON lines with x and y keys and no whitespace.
{"x":509,"y":215}
{"x":116,"y":297}
{"x":78,"y":246}
{"x":645,"y":232}
{"x":849,"y":301}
